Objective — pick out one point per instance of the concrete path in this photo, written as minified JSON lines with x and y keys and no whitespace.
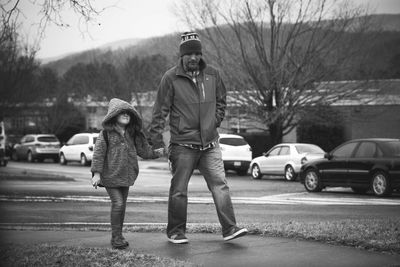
{"x":211,"y":250}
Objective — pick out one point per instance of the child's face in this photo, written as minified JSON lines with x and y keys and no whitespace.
{"x":123,"y":118}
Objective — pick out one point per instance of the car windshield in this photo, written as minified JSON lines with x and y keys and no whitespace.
{"x":391,"y":148}
{"x":47,"y":139}
{"x":308,"y":149}
{"x":233,"y":141}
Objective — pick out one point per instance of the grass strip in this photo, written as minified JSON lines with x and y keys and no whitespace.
{"x":50,"y":255}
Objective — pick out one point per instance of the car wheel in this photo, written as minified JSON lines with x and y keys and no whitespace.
{"x":381,"y":184}
{"x":256,"y":172}
{"x":290,"y":174}
{"x":359,"y":190}
{"x":84,"y":161}
{"x":63,"y":160}
{"x":312,"y":181}
{"x":30,"y":157}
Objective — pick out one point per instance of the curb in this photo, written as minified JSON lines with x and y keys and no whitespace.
{"x":93,"y":226}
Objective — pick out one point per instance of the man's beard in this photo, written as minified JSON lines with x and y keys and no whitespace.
{"x":192,"y":67}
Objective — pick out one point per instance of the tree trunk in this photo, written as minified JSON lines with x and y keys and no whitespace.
{"x":275,"y":131}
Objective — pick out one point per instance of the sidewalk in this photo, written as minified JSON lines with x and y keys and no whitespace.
{"x":211,"y":250}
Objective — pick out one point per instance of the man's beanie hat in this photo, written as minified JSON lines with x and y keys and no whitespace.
{"x":190,"y":43}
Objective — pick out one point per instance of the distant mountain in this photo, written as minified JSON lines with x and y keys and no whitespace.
{"x":116,"y":52}
{"x":386,"y":22}
{"x":120,"y":44}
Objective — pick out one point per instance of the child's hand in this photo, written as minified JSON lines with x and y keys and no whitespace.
{"x":96,"y":180}
{"x":159,"y":152}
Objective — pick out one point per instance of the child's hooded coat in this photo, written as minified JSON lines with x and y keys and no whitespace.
{"x":117,"y":163}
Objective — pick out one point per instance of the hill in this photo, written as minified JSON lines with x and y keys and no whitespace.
{"x":118,"y":51}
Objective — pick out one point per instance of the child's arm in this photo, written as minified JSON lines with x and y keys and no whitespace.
{"x":99,"y":154}
{"x":144,"y":150}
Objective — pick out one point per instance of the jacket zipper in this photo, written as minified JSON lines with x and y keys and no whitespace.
{"x":200,"y":88}
{"x":203,"y":92}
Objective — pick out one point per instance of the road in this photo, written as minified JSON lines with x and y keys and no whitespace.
{"x":68,"y":197}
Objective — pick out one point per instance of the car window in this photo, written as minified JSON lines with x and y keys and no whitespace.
{"x":274,"y":151}
{"x":308,"y":149}
{"x":366,"y":150}
{"x":391,"y":148}
{"x":29,"y":139}
{"x":81,"y":139}
{"x":232,"y":141}
{"x":284,"y":151}
{"x":71,"y":141}
{"x":379,"y":153}
{"x":344,"y":151}
{"x":47,"y":139}
{"x":94,"y":140}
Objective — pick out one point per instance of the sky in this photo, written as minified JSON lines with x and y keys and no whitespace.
{"x":123,"y":19}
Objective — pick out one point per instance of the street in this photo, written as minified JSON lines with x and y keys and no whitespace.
{"x":56,"y":194}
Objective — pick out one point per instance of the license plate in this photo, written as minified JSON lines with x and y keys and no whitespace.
{"x":237,"y":163}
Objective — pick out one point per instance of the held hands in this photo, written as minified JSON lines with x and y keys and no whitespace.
{"x":96,"y":180}
{"x":160,"y":152}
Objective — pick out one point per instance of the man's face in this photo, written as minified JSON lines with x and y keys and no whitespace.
{"x":191,"y":61}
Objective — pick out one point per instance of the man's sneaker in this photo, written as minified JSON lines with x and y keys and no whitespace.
{"x":178,"y":239}
{"x":235,"y":233}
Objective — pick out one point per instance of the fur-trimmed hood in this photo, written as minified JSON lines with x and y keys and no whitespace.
{"x":117,"y":105}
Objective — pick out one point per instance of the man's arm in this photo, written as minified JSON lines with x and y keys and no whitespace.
{"x":160,"y":112}
{"x":221,"y":100}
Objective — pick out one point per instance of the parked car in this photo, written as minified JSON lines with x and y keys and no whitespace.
{"x":285,"y":159}
{"x":362,"y":164}
{"x":34,"y":147}
{"x":79,"y":148}
{"x":236,"y":153}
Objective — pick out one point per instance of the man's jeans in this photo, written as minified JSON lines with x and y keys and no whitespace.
{"x":118,"y":196}
{"x":183,"y":161}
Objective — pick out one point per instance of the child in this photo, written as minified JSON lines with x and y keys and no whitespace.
{"x":115,"y":163}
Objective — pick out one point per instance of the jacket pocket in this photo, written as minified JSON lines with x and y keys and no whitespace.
{"x":175,"y":123}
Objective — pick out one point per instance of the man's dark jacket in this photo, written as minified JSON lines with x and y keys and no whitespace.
{"x":195,"y":109}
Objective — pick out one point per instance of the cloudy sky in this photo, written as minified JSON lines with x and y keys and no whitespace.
{"x":124,"y":20}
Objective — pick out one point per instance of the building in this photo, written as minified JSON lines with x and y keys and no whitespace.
{"x":373,"y":112}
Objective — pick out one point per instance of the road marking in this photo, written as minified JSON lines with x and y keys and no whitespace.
{"x":282,"y":199}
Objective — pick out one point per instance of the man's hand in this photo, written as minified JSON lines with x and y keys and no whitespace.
{"x":159,"y":152}
{"x":96,"y":179}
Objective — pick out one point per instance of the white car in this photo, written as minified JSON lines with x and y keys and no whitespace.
{"x":79,"y":148}
{"x":285,"y":159}
{"x":236,"y":153}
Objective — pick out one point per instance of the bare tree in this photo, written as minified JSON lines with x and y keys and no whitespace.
{"x":276,"y":53}
{"x":17,"y":58}
{"x":49,"y":12}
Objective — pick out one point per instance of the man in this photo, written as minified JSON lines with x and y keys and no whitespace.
{"x":194,"y":96}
